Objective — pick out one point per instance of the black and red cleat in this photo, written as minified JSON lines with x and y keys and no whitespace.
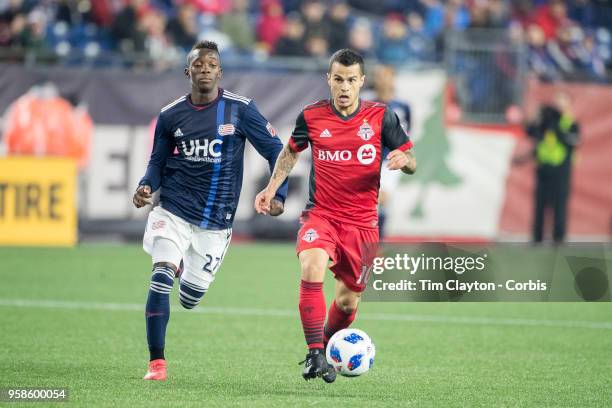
{"x":316,"y":365}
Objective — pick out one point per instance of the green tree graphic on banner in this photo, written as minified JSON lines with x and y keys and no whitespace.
{"x":431,"y":151}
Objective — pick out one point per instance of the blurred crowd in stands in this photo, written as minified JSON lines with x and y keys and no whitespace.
{"x":562,"y":38}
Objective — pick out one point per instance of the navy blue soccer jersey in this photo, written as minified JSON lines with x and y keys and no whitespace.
{"x":402,"y":110}
{"x":201,"y":182}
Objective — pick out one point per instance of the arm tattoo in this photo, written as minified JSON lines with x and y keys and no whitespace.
{"x":284,"y":163}
{"x":410,"y":168}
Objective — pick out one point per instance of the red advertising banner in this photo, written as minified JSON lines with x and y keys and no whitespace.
{"x":590,"y":208}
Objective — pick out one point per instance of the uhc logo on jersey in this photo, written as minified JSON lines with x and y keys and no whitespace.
{"x":202,"y":150}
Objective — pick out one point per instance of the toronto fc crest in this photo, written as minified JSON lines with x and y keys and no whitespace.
{"x":310,"y":235}
{"x":365,"y":131}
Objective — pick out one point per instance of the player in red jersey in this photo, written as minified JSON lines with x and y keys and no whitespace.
{"x":347,"y":136}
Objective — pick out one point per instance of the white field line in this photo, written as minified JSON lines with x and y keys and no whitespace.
{"x":244,"y":311}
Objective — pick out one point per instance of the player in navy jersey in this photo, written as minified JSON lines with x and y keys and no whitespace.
{"x":347,"y":137}
{"x":197,"y":162}
{"x":384,"y":86}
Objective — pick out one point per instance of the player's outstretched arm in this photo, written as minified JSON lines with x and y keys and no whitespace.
{"x":404,"y":161}
{"x":284,"y":163}
{"x":142,"y":196}
{"x":163,"y":145}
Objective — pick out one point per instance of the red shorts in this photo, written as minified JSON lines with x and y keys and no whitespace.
{"x":350,"y":248}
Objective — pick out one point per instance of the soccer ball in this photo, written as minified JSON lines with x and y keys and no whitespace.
{"x":351,"y":352}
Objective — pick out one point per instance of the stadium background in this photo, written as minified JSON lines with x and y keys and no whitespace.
{"x":472,"y":65}
{"x":85,"y":79}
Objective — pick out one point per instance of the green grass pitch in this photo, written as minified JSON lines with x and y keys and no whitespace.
{"x":75,"y":318}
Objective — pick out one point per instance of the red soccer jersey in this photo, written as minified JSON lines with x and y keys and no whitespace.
{"x":346,"y":158}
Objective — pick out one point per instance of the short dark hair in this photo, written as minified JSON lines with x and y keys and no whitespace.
{"x":203,"y":45}
{"x":206,"y":45}
{"x":347,"y":57}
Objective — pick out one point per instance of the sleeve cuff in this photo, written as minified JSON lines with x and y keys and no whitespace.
{"x":280,"y":198}
{"x":406,"y":146}
{"x":294,"y":147}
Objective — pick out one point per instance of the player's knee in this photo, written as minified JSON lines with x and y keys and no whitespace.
{"x":190,"y":294}
{"x":348,"y":303}
{"x":312,"y":271}
{"x":162,"y":278}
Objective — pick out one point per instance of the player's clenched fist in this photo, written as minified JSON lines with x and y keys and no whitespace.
{"x":398,"y":159}
{"x":142,"y":196}
{"x":265,"y":203}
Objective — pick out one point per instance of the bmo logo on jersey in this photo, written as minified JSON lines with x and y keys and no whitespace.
{"x":335,"y":155}
{"x":202,"y":150}
{"x":366,"y":154}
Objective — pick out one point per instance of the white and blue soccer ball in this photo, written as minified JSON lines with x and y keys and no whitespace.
{"x":351,"y":352}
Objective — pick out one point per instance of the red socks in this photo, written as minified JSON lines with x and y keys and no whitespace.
{"x":337,"y":320}
{"x":312,"y":312}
